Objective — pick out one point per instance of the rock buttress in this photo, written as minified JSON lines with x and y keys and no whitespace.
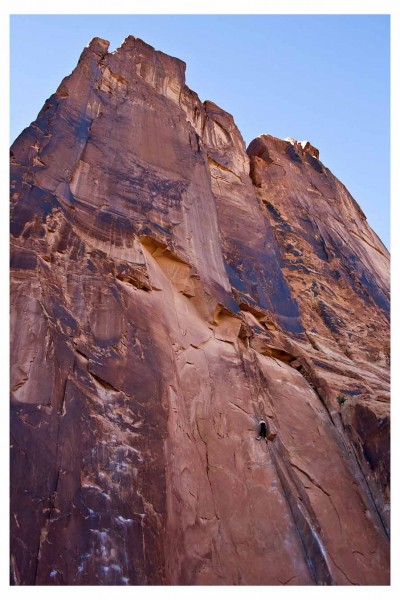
{"x":159,"y":311}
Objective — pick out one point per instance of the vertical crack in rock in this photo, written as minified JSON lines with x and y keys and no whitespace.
{"x":52,"y":504}
{"x":315,"y":554}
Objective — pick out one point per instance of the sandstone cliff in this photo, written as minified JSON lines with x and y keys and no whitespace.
{"x":169,"y":290}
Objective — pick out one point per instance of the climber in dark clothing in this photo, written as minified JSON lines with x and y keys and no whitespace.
{"x":262,"y":430}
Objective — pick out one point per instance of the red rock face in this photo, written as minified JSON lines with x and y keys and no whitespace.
{"x":169,"y":291}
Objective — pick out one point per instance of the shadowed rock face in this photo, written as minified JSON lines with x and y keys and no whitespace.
{"x":169,"y":290}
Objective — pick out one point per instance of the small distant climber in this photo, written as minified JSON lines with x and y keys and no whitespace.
{"x":262,"y":430}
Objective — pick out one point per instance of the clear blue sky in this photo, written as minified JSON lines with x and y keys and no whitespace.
{"x":321,"y":78}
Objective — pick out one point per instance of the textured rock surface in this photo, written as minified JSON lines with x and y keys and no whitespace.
{"x":170,"y":289}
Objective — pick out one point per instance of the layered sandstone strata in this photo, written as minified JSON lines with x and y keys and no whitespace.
{"x":169,"y":290}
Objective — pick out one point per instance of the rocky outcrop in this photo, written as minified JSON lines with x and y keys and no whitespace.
{"x":169,"y":290}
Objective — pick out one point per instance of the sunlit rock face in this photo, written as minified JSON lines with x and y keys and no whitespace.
{"x":169,"y":291}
